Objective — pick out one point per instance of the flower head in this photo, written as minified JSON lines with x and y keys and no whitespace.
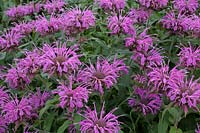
{"x":24,"y":28}
{"x":38,"y":99}
{"x":184,"y":93}
{"x":17,"y":78}
{"x":146,"y":59}
{"x":145,"y":101}
{"x":185,"y":6}
{"x":142,"y":42}
{"x":140,"y":15}
{"x":118,"y":24}
{"x":72,"y":98}
{"x":16,"y":109}
{"x":77,"y":20}
{"x":104,"y":74}
{"x":155,"y":4}
{"x":189,"y":56}
{"x":10,"y":40}
{"x":59,"y":60}
{"x":112,"y":4}
{"x":54,"y":5}
{"x":3,"y":97}
{"x":99,"y":123}
{"x":23,"y":10}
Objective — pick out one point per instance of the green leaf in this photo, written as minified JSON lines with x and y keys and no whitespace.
{"x":175,"y":130}
{"x":49,"y":121}
{"x":64,"y":126}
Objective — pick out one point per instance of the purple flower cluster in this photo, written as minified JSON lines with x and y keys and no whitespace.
{"x":104,"y":74}
{"x":119,"y":23}
{"x":140,"y":15}
{"x":23,"y":10}
{"x":59,"y":60}
{"x":77,"y":20}
{"x":186,"y":6}
{"x":189,"y":56}
{"x":112,"y":4}
{"x":95,"y":123}
{"x":72,"y":98}
{"x":145,"y":101}
{"x":155,"y":4}
{"x":52,"y":6}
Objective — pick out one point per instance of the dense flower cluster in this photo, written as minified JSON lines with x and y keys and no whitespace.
{"x":54,"y":5}
{"x":112,"y":4}
{"x":145,"y":101}
{"x":140,"y":15}
{"x":99,"y":123}
{"x":104,"y":74}
{"x":185,"y":6}
{"x":155,"y":4}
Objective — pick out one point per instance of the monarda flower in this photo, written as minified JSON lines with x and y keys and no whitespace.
{"x":189,"y":56}
{"x":104,"y":74}
{"x":155,"y":4}
{"x":17,"y":110}
{"x":25,"y":28}
{"x":146,"y":59}
{"x":94,"y":123}
{"x":186,"y":6}
{"x":76,"y":21}
{"x":140,"y":15}
{"x":175,"y":23}
{"x":17,"y":78}
{"x":112,"y":4}
{"x":3,"y":124}
{"x":160,"y":77}
{"x":23,"y":10}
{"x":184,"y":93}
{"x":10,"y":40}
{"x":72,"y":98}
{"x":59,"y":60}
{"x":4,"y":97}
{"x":38,"y":99}
{"x":121,"y":24}
{"x":44,"y":26}
{"x":145,"y":101}
{"x":141,"y":43}
{"x":52,"y":6}
{"x":31,"y":63}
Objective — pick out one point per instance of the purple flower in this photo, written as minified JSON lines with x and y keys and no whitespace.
{"x":140,"y":15}
{"x":140,"y":78}
{"x":23,"y":10}
{"x":184,"y":93}
{"x":118,"y":24}
{"x":155,"y":4}
{"x":142,"y":43}
{"x":38,"y":99}
{"x":198,"y":129}
{"x":59,"y":60}
{"x":4,"y":97}
{"x":175,"y":23}
{"x":31,"y":63}
{"x":24,"y":28}
{"x":150,"y":58}
{"x":189,"y":56}
{"x":54,"y":5}
{"x":10,"y":40}
{"x":94,"y":123}
{"x":186,"y":5}
{"x":72,"y":98}
{"x":160,"y":77}
{"x":104,"y":74}
{"x":16,"y":109}
{"x":77,"y":21}
{"x":3,"y":125}
{"x":44,"y":27}
{"x":145,"y":101}
{"x":112,"y":4}
{"x":17,"y":78}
